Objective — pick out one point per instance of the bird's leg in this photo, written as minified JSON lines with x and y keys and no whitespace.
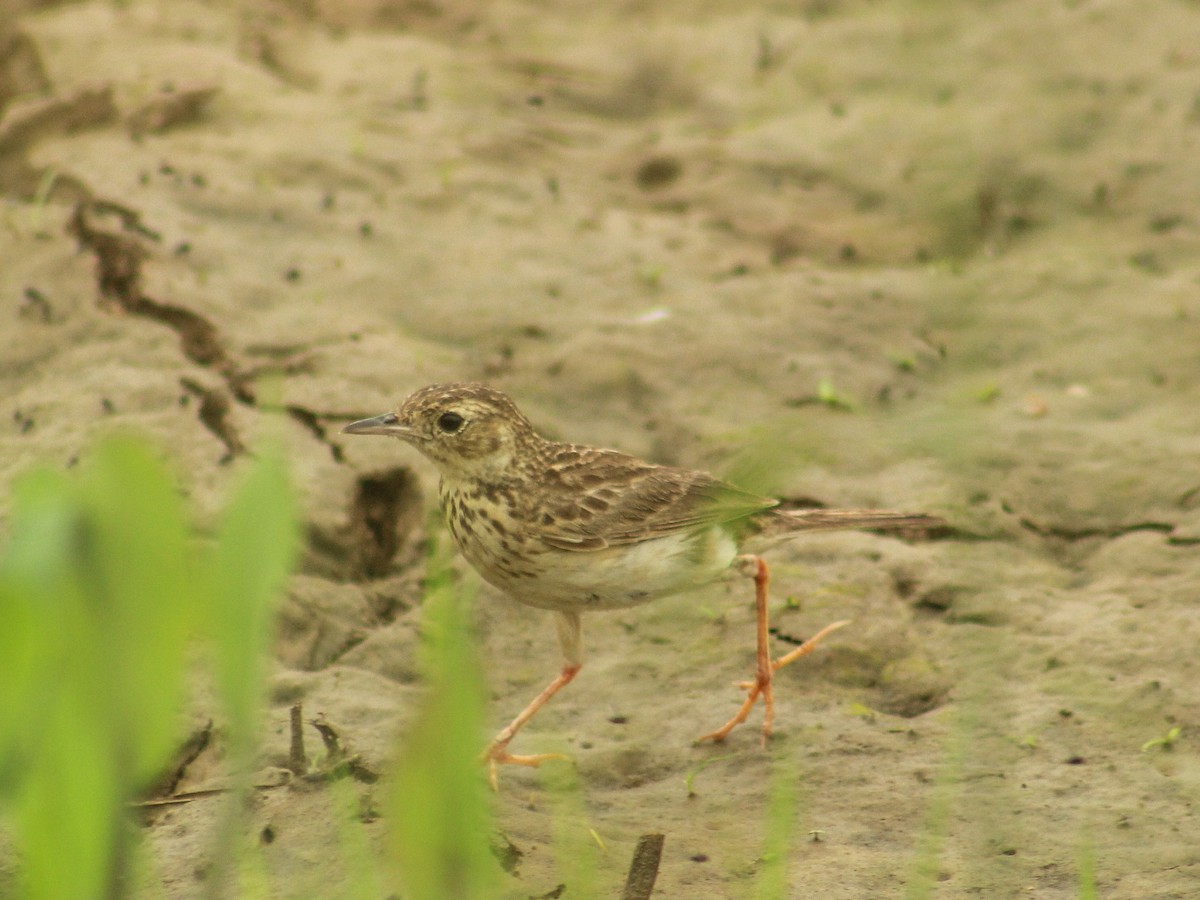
{"x":496,"y":753}
{"x":756,"y":566}
{"x":763,"y":671}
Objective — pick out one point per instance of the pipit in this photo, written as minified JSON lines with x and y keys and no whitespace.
{"x":573,"y":529}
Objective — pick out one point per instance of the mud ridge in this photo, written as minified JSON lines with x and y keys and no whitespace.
{"x":1065,"y":533}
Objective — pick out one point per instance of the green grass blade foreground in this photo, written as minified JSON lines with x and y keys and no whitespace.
{"x":95,"y":575}
{"x":257,"y":544}
{"x":781,"y":830}
{"x":101,"y":596}
{"x":437,"y":804}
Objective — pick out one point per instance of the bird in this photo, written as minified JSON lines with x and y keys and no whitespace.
{"x":574,"y":529}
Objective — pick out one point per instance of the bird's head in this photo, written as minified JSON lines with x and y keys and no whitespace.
{"x":467,"y":430}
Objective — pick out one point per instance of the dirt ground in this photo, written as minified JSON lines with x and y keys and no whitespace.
{"x":935,"y":257}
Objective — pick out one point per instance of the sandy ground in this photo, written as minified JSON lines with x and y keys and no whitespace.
{"x":938,"y":257}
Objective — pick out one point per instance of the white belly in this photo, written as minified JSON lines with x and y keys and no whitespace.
{"x":627,"y":575}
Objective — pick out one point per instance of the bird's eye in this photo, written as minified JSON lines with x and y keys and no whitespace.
{"x":450,"y":422}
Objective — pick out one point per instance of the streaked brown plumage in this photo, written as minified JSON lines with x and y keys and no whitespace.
{"x":571,"y":528}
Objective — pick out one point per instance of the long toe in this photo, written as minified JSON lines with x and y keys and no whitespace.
{"x":739,"y":717}
{"x":533,"y":760}
{"x":498,"y":756}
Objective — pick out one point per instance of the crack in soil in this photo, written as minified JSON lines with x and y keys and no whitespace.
{"x":311,"y":422}
{"x":119,"y":258}
{"x":214,"y":415}
{"x":195,"y":744}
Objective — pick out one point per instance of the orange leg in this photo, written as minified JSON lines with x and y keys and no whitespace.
{"x":766,"y":667}
{"x":496,"y":753}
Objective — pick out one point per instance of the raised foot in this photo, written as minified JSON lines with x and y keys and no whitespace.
{"x":496,"y":755}
{"x":761,"y":687}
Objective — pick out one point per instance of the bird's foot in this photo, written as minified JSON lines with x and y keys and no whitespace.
{"x":761,"y":687}
{"x":496,"y":754}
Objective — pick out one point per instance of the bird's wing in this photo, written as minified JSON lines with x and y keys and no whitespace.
{"x":602,"y":498}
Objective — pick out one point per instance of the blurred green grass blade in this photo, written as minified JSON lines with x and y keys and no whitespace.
{"x":257,"y":544}
{"x":93,"y":580}
{"x":55,"y":778}
{"x":577,"y":856}
{"x":780,"y":832}
{"x":35,"y":595}
{"x":1087,"y":866}
{"x":101,"y":593}
{"x":134,"y":559}
{"x":364,"y":874}
{"x":70,"y":809}
{"x":922,"y":880}
{"x":256,"y":547}
{"x":437,"y":805}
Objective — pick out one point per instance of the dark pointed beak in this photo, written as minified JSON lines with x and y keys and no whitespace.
{"x":386,"y":424}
